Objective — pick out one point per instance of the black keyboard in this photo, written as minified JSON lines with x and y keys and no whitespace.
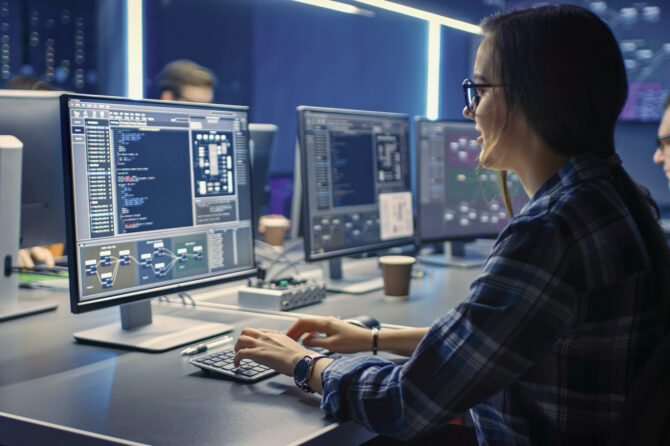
{"x":221,"y":362}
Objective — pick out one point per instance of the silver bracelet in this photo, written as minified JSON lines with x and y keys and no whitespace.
{"x":375,"y":340}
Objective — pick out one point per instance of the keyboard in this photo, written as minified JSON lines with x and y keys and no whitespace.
{"x":220,"y":362}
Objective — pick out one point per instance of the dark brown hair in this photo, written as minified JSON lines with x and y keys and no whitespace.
{"x":562,"y":68}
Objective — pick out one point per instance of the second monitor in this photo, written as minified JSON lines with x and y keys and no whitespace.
{"x":356,"y":186}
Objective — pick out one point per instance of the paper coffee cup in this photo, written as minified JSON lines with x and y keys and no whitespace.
{"x":275,"y":229}
{"x":396,"y":271}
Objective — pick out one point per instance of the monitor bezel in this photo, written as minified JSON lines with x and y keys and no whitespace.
{"x":371,"y":249}
{"x":420,"y":238}
{"x":76,"y":305}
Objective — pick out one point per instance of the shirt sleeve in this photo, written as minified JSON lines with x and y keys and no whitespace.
{"x":516,"y":309}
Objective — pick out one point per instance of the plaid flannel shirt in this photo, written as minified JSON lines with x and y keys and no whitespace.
{"x":546,"y":345}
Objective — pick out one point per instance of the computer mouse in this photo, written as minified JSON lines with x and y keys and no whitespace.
{"x":364,"y":321}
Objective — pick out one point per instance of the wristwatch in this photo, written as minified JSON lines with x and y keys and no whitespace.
{"x":302,"y":369}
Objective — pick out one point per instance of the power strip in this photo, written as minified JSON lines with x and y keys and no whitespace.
{"x":282,"y":295}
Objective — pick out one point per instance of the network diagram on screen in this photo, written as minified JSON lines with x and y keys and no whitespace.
{"x":457,"y":199}
{"x":156,"y":194}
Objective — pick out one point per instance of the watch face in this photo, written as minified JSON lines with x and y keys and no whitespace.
{"x":302,"y":370}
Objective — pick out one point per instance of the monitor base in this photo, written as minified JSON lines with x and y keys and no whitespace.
{"x":355,"y":286}
{"x":21,"y":309}
{"x":161,"y":333}
{"x":453,"y":261}
{"x":355,"y":282}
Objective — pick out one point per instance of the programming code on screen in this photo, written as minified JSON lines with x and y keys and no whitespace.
{"x":351,"y":161}
{"x":152,"y":194}
{"x":157,"y":194}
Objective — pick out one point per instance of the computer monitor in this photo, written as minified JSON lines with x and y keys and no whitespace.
{"x":159,"y":201}
{"x":456,"y":201}
{"x":261,"y":144}
{"x":356,"y":185}
{"x":34,"y":118}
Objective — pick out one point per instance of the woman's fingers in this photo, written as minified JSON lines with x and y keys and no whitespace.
{"x":244,"y":353}
{"x":316,"y":341}
{"x":308,"y":325}
{"x":245,"y":342}
{"x":251,"y":332}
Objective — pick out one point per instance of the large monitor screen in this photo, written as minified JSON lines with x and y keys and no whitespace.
{"x":160,"y":197}
{"x":356,"y":181}
{"x":457,"y":200}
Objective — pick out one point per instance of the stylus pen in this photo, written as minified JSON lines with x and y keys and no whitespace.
{"x":204,"y":347}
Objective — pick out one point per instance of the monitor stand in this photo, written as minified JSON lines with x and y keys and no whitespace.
{"x":11,"y":150}
{"x":355,"y":283}
{"x":140,"y":331}
{"x":455,"y":255}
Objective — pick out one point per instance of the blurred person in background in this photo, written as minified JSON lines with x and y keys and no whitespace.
{"x":185,"y":80}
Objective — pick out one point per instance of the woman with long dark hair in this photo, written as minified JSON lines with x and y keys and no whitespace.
{"x":574,"y":297}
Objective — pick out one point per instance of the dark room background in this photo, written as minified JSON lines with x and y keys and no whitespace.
{"x":274,"y":55}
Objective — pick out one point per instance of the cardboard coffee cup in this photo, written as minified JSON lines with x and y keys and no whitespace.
{"x":397,"y":271}
{"x":275,"y":229}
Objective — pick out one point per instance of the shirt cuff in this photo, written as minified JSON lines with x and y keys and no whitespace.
{"x":332,"y":376}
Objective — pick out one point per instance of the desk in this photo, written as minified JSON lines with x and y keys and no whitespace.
{"x":430,"y":298}
{"x":73,"y":392}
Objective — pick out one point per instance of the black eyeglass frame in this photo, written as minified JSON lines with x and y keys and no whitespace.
{"x":469,"y":85}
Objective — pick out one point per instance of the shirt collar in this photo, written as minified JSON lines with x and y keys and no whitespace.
{"x":576,"y":170}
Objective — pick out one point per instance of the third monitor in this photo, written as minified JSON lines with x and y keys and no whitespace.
{"x":457,"y":201}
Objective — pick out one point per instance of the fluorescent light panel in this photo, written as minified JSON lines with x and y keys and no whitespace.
{"x":420,"y":14}
{"x":134,"y":62}
{"x":433,"y":83}
{"x":330,"y":4}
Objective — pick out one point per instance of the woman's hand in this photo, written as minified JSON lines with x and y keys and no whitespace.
{"x":271,"y":348}
{"x":341,"y":336}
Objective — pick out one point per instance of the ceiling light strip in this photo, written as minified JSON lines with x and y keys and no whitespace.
{"x":433,"y":82}
{"x":134,"y":46}
{"x":424,"y":15}
{"x":330,"y":4}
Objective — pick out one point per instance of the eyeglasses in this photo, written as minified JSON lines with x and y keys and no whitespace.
{"x":661,"y":143}
{"x":472,"y":92}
